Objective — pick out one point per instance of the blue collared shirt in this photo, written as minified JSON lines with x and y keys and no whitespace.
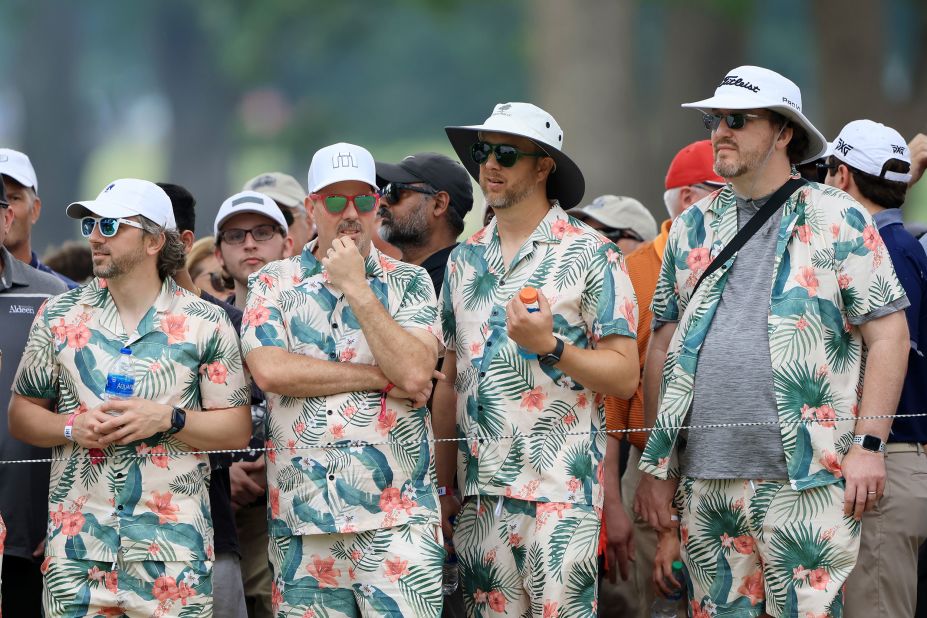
{"x":35,"y":263}
{"x":910,"y":263}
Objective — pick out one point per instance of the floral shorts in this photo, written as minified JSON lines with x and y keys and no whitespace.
{"x":521,"y":558}
{"x":77,"y":588}
{"x":755,"y":546}
{"x":389,"y":572}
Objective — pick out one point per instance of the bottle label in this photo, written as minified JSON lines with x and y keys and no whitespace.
{"x":119,"y":385}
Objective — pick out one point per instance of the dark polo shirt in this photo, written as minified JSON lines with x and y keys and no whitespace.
{"x":23,"y":487}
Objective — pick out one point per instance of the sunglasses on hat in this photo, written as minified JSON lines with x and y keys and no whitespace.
{"x":108,"y":226}
{"x":506,"y":155}
{"x":392,"y":192}
{"x":335,"y":203}
{"x":733,"y":121}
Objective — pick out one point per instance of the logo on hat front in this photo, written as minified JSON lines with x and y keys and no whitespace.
{"x":898,"y":149}
{"x":264,"y":181}
{"x":842,"y":147}
{"x":791,"y":103}
{"x":107,"y":189}
{"x":344,"y":159}
{"x":502,"y":110}
{"x":733,"y":80}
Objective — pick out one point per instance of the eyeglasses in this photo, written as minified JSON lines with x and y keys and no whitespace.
{"x":335,"y":203}
{"x":216,"y":280}
{"x":506,"y":155}
{"x":260,"y":233}
{"x":733,"y":121}
{"x":108,"y":225}
{"x":824,"y":167}
{"x":623,"y":234}
{"x":392,"y":192}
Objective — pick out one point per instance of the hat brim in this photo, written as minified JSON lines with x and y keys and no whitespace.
{"x":96,"y":208}
{"x":817,"y":144}
{"x":391,"y":172}
{"x":566,"y":184}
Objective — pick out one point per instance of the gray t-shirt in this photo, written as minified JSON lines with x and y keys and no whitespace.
{"x":734,"y":377}
{"x":23,"y":487}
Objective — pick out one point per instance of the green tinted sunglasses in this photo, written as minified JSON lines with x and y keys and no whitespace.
{"x":335,"y":203}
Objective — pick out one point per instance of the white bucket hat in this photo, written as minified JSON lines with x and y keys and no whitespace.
{"x":565,"y":184}
{"x":868,"y":146}
{"x":750,"y":87}
{"x":127,"y":197}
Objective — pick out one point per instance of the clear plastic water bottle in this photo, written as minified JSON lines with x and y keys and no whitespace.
{"x":529,"y":296}
{"x":668,"y":607}
{"x":450,"y":574}
{"x":120,"y":382}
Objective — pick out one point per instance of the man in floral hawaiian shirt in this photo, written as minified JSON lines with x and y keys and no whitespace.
{"x":129,"y":529}
{"x":343,"y":340}
{"x":522,"y":386}
{"x":769,"y":511}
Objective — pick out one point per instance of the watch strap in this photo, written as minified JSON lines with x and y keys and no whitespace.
{"x":552,"y":358}
{"x":862,"y":440}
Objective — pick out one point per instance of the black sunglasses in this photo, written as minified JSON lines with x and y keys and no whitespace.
{"x":824,"y":167}
{"x":733,"y":121}
{"x":623,"y":234}
{"x":392,"y":192}
{"x":260,"y":233}
{"x":506,"y":155}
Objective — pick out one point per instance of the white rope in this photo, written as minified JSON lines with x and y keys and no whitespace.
{"x":358,"y":443}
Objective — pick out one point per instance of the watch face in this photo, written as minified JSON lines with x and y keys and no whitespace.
{"x":871,"y":443}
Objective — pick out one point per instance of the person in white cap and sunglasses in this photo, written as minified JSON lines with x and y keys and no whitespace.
{"x":534,"y":364}
{"x":22,"y":191}
{"x":343,"y":341}
{"x":769,"y":291}
{"x":872,"y":163}
{"x":129,"y":524}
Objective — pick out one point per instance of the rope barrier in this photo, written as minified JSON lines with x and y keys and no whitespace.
{"x":359,"y":443}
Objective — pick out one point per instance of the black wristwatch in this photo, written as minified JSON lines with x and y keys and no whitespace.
{"x":552,"y":358}
{"x":178,"y":420}
{"x":870,"y":443}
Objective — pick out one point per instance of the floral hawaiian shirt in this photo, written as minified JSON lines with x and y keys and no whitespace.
{"x":528,"y":430}
{"x":832,"y":273}
{"x":352,"y":461}
{"x":185,"y":353}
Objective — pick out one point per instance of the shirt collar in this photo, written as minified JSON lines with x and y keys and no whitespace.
{"x":372,"y":263}
{"x":888,"y":217}
{"x":549,"y":230}
{"x":96,"y":294}
{"x":14,"y":271}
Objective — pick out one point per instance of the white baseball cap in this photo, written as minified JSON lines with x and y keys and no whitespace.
{"x":17,"y":166}
{"x":750,"y":87}
{"x":249,"y":201}
{"x":868,"y":146}
{"x":128,"y":197}
{"x":340,"y":162}
{"x":565,"y":184}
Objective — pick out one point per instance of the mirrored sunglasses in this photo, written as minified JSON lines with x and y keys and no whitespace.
{"x":335,"y":203}
{"x":108,"y":225}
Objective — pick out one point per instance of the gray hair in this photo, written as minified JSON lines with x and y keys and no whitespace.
{"x":173,"y":254}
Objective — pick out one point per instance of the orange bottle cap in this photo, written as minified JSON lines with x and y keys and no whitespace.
{"x":528,"y":295}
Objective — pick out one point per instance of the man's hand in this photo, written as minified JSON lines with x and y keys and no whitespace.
{"x":619,"y":537}
{"x":344,"y":264}
{"x":918,"y":149}
{"x":420,"y":398}
{"x":137,"y":419}
{"x":86,"y":428}
{"x":654,"y":502}
{"x":450,"y":507}
{"x":248,"y":482}
{"x":667,"y":553}
{"x":864,"y":472}
{"x":534,"y":331}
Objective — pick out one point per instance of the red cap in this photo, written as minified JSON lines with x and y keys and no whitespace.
{"x":692,"y":165}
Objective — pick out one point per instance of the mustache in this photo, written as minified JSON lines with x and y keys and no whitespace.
{"x":349,"y":227}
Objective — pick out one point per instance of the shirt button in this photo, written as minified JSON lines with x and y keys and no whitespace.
{"x":482,"y":374}
{"x":119,"y":475}
{"x":479,"y":408}
{"x":489,"y":344}
{"x":329,"y":412}
{"x":334,"y":325}
{"x":331,"y":477}
{"x":120,"y":507}
{"x":501,"y":281}
{"x":332,"y":356}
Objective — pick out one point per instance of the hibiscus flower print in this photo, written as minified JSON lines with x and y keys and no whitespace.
{"x":174,"y":325}
{"x":159,"y":456}
{"x":807,"y":279}
{"x":830,"y":463}
{"x":324,"y":571}
{"x":395,"y":569}
{"x":164,"y":589}
{"x":803,"y":232}
{"x":751,"y":586}
{"x":698,"y":260}
{"x":78,"y":335}
{"x":255,"y":316}
{"x":217,"y":372}
{"x":628,"y":311}
{"x":533,"y":399}
{"x":160,"y":504}
{"x":871,"y":238}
